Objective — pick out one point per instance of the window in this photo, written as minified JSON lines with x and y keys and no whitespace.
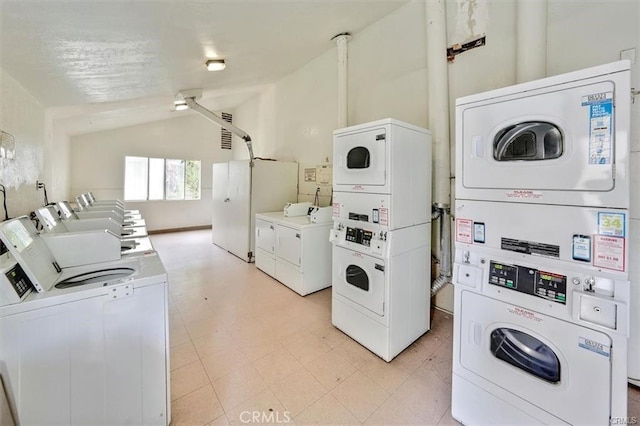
{"x":161,"y":179}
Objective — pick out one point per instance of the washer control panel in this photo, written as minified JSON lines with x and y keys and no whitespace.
{"x":547,"y":285}
{"x":359,"y":236}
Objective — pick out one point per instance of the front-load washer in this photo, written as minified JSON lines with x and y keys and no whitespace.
{"x":91,"y":347}
{"x":381,"y":285}
{"x":560,"y":140}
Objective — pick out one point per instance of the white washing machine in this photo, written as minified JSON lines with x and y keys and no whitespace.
{"x":542,"y":292}
{"x":91,"y":345}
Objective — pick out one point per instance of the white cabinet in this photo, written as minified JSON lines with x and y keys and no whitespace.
{"x":241,"y":191}
{"x":301,"y":256}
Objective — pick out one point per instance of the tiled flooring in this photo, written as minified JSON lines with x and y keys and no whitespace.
{"x":246,"y":349}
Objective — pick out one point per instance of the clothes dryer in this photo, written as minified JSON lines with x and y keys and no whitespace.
{"x":383,"y":157}
{"x":541,"y":272}
{"x":561,"y":140}
{"x":381,"y":285}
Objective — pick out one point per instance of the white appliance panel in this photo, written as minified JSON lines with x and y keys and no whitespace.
{"x":265,"y":235}
{"x":360,"y":158}
{"x":359,"y":278}
{"x":289,"y":244}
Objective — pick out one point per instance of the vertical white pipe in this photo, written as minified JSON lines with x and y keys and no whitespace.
{"x":438,"y":98}
{"x":531,"y":40}
{"x":343,"y":88}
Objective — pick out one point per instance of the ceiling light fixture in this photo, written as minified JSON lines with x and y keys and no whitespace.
{"x":180,"y":105}
{"x":215,"y":64}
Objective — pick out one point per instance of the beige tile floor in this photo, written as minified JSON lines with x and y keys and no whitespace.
{"x":245,"y":348}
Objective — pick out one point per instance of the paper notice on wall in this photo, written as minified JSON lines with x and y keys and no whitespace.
{"x":336,"y":209}
{"x":608,"y":252}
{"x":464,"y":231}
{"x":309,"y":175}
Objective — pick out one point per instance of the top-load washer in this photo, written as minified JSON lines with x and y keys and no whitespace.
{"x":559,"y":140}
{"x":388,"y":158}
{"x":91,"y":345}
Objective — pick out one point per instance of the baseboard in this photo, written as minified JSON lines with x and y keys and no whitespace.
{"x":188,"y":228}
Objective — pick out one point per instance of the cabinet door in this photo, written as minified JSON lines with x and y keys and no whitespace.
{"x":289,"y":244}
{"x":220,"y":197}
{"x":239,"y":207}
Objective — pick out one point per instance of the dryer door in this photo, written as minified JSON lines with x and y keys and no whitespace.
{"x":546,"y":361}
{"x":265,"y":235}
{"x":360,"y":158}
{"x":359,"y":278}
{"x":557,"y":141}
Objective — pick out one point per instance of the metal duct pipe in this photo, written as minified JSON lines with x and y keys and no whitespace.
{"x":531,"y":44}
{"x":343,"y":79}
{"x":438,"y":98}
{"x":445,"y":251}
{"x":191,"y":103}
{"x":438,"y":101}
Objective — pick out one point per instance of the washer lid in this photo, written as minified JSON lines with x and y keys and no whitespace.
{"x":31,"y":252}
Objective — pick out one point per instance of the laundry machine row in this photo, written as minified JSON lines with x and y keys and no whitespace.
{"x":86,"y":344}
{"x":381,"y":234}
{"x":542,"y":291}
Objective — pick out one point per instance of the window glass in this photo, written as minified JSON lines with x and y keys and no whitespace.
{"x":174,"y":179}
{"x":135,"y":178}
{"x":156,"y":178}
{"x":192,"y":180}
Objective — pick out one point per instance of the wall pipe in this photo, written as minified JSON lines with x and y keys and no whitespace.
{"x":531,"y":40}
{"x":343,"y":79}
{"x":438,"y":103}
{"x":191,"y":103}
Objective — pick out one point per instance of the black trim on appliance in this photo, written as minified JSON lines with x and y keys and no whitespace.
{"x":357,"y":277}
{"x":529,"y":141}
{"x":358,"y":158}
{"x":525,"y":352}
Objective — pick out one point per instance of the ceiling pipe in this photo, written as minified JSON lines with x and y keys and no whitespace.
{"x":343,"y":88}
{"x":190,"y":100}
{"x":531,"y":40}
{"x":438,"y":104}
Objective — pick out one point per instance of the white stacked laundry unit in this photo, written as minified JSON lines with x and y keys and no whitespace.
{"x":541,"y":276}
{"x":382,"y":234}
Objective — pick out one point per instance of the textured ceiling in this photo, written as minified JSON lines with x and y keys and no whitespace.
{"x":135,"y":55}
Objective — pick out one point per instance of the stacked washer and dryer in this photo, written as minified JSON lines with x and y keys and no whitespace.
{"x":381,"y":234}
{"x":542,"y":292}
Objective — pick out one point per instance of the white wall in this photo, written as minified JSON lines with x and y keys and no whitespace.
{"x":24,"y":117}
{"x":387,"y":75}
{"x":97,"y":164}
